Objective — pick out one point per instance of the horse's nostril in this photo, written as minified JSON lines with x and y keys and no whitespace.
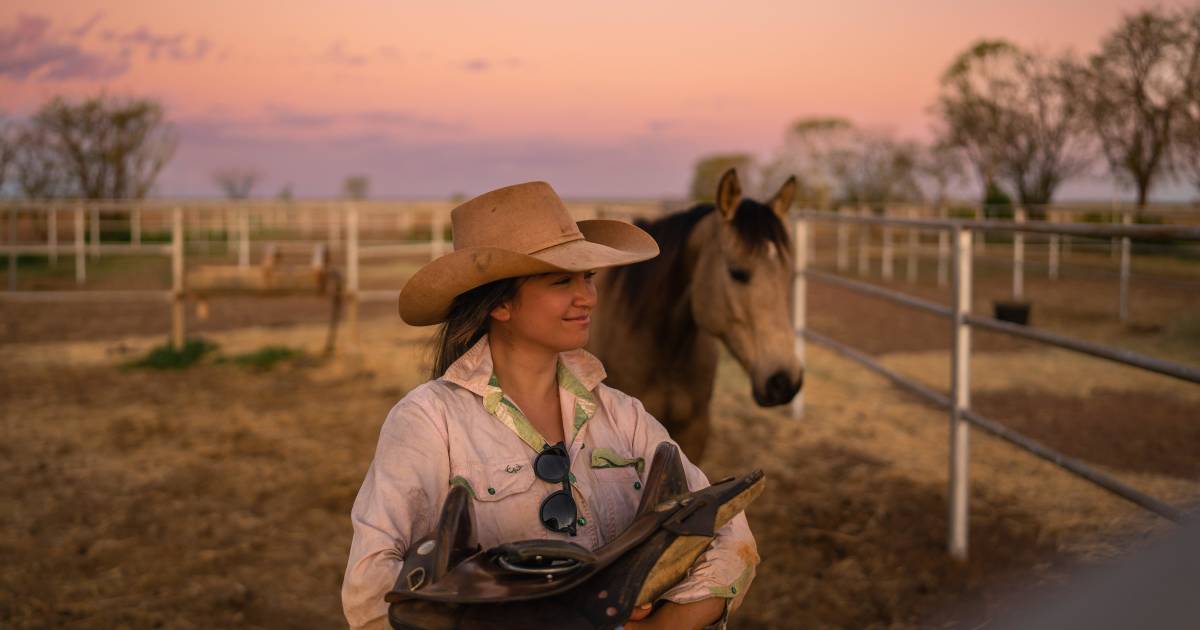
{"x":779,"y":385}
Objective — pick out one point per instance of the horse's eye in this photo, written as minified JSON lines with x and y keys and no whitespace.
{"x":739,"y":275}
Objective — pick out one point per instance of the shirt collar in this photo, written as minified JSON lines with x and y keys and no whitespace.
{"x":473,"y":370}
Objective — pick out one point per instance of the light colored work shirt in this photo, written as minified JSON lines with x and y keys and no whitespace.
{"x":462,"y":429}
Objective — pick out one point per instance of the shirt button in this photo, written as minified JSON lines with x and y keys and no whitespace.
{"x":491,"y":491}
{"x":733,"y":589}
{"x":572,"y":476}
{"x":637,"y":485}
{"x":582,"y":521}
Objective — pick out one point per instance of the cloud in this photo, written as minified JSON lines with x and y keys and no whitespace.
{"x":82,"y":30}
{"x":477,"y":65}
{"x":30,"y":50}
{"x":289,"y":117}
{"x":337,"y":54}
{"x":175,"y":47}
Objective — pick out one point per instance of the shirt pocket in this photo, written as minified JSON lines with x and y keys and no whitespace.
{"x":618,"y":490}
{"x":506,"y":508}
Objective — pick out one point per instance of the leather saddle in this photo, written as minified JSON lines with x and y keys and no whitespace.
{"x":447,"y":581}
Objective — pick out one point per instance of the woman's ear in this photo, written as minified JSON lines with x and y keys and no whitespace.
{"x":502,"y":313}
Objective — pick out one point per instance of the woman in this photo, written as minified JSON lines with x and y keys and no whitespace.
{"x":510,"y":378}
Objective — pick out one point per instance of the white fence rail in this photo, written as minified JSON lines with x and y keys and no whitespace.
{"x":959,"y":241}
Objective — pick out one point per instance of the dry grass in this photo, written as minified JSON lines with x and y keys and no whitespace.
{"x":218,"y":496}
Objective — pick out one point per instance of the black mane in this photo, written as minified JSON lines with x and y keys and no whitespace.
{"x":654,"y":291}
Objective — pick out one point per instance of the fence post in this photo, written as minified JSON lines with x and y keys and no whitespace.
{"x":843,"y":245}
{"x":135,"y":226}
{"x":95,"y":229}
{"x":864,"y":242}
{"x":1123,"y":307}
{"x":1054,"y":246}
{"x":914,"y":242}
{"x":11,"y":215}
{"x":80,"y":255}
{"x":1018,"y":280}
{"x":799,"y":303}
{"x":243,"y":237}
{"x":52,"y":233}
{"x":178,"y":334}
{"x":437,"y":229}
{"x":960,"y":393}
{"x":980,"y":215}
{"x":886,"y":266}
{"x":352,"y":271}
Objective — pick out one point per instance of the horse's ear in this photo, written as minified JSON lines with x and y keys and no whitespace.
{"x":729,"y":194}
{"x":783,"y":199}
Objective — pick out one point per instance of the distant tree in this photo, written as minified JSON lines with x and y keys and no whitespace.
{"x":1135,"y":90}
{"x":879,"y":170}
{"x":941,"y":165}
{"x":1187,"y":140}
{"x":236,"y":182}
{"x":356,"y":187}
{"x":814,"y":150}
{"x":38,"y":166}
{"x":1016,"y":117}
{"x":708,"y":170}
{"x":109,"y":148}
{"x":285,"y":193}
{"x":8,"y":150}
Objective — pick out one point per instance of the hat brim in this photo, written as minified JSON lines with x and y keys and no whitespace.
{"x":426,"y":297}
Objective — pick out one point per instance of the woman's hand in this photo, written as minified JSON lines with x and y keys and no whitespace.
{"x":672,"y":616}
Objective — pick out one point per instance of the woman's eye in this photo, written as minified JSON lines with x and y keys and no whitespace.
{"x":588,"y":275}
{"x":563,"y":280}
{"x":739,"y":275}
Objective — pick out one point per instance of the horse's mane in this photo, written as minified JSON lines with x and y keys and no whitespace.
{"x":654,"y":291}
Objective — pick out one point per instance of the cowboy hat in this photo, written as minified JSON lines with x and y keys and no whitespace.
{"x":517,"y":231}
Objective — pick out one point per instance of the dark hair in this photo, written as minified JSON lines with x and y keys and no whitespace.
{"x":468,"y":320}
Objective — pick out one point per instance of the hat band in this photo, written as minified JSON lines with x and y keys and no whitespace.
{"x":566,"y":238}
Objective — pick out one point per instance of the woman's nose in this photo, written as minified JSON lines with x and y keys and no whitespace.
{"x":585,"y":290}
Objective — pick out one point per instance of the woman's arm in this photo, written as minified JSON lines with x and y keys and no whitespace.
{"x":398,"y":502}
{"x":691,"y":616}
{"x":723,"y":573}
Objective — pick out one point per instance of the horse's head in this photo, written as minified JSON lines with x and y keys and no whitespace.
{"x":742,"y":287}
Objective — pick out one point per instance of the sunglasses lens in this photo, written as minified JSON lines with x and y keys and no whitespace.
{"x":558,"y":512}
{"x":551,"y":465}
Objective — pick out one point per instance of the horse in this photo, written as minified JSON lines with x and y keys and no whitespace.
{"x":724,"y":275}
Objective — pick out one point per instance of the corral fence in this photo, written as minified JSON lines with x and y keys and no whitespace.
{"x":234,"y":234}
{"x":958,"y":246}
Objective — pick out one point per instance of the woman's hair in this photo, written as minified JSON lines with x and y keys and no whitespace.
{"x":468,"y":321}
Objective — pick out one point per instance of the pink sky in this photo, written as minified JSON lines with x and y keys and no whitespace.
{"x":599,"y":98}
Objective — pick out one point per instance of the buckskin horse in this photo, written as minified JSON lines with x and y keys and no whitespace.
{"x":724,"y":274}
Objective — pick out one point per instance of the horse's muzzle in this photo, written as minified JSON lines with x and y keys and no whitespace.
{"x":779,"y":390}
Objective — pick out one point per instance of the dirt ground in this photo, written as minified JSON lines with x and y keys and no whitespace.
{"x":219,"y":496}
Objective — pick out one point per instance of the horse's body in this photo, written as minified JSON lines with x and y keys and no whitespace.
{"x":724,"y":275}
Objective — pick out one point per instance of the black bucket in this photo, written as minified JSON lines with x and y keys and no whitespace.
{"x":1015,"y":312}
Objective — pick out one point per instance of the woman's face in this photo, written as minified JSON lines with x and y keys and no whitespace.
{"x":551,"y":310}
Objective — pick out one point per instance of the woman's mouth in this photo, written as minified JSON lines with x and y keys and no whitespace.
{"x":586,"y":318}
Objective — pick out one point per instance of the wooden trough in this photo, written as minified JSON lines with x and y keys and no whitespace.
{"x":286,"y":269}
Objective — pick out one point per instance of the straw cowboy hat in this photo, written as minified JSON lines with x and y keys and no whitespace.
{"x":516,"y":231}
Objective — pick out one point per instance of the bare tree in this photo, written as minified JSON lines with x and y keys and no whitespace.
{"x":38,"y":166}
{"x":1187,"y":140}
{"x":356,"y":187}
{"x":708,"y":170}
{"x":941,"y":165}
{"x":110,"y":148}
{"x":971,"y":102}
{"x":236,"y":182}
{"x":878,"y":170}
{"x":1016,"y":117}
{"x":814,"y":150}
{"x":1135,"y":91}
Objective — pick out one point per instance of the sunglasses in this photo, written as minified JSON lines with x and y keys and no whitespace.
{"x":558,"y":511}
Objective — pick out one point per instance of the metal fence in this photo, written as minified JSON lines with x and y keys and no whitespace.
{"x":958,"y":245}
{"x":185,"y":231}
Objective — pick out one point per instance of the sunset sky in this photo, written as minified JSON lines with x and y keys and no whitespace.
{"x":606,"y":99}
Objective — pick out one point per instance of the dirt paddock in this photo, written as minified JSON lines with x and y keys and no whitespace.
{"x":218,"y":496}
